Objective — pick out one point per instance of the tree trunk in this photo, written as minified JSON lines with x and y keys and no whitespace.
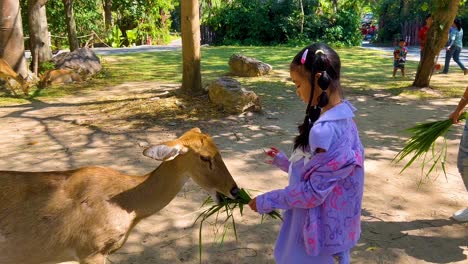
{"x":71,"y":26}
{"x":38,"y":34}
{"x":443,"y":16}
{"x":107,"y":6}
{"x":302,"y":16}
{"x":190,"y":27}
{"x":335,"y":6}
{"x":404,"y":8}
{"x":11,"y":36}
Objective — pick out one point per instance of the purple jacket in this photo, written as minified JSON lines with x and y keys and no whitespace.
{"x":327,"y":186}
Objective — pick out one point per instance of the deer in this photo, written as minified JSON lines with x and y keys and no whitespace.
{"x":85,"y":214}
{"x":59,"y":76}
{"x":7,"y":73}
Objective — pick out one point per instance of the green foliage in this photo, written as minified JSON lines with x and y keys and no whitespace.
{"x":271,"y":22}
{"x":132,"y":36}
{"x":114,"y":38}
{"x":87,"y":15}
{"x":392,"y":14}
{"x":344,"y":32}
{"x":150,"y":18}
{"x":45,"y":66}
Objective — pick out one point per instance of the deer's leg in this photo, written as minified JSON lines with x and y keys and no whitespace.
{"x":94,"y":259}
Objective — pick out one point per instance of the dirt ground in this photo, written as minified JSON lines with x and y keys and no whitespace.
{"x":402,"y":221}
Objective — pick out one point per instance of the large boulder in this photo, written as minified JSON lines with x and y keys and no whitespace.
{"x":228,"y":94}
{"x":83,"y":61}
{"x":241,"y":65}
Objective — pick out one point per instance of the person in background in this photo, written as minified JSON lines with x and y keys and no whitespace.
{"x":323,"y":199}
{"x":462,"y":160}
{"x":399,"y":57}
{"x":455,"y":47}
{"x":422,"y":34}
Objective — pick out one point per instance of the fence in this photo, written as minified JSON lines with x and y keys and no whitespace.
{"x":409,"y":32}
{"x":207,"y":35}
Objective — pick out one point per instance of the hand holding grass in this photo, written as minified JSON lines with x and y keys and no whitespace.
{"x":227,"y":206}
{"x":423,"y":141}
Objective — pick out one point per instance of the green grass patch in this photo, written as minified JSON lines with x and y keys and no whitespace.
{"x":363,"y":71}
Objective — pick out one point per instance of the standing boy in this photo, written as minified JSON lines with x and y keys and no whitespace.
{"x":399,"y":57}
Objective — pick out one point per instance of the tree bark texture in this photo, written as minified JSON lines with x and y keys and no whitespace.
{"x":38,"y":34}
{"x":443,"y":16}
{"x":107,"y":6}
{"x":71,"y":25}
{"x":11,"y":36}
{"x":302,"y":16}
{"x":190,"y":27}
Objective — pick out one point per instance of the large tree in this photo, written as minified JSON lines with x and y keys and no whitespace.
{"x":38,"y":33}
{"x":107,"y":6}
{"x":444,"y":12}
{"x":11,"y":36}
{"x":190,"y":27}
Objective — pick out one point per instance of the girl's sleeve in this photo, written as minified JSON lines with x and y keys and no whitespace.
{"x":321,"y":136}
{"x":281,"y":161}
{"x":312,"y":192}
{"x":307,"y":194}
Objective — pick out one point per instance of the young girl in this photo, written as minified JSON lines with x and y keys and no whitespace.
{"x":326,"y":176}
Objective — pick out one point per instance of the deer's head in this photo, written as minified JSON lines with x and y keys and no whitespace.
{"x":197,"y":155}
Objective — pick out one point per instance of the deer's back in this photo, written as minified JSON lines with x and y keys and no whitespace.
{"x":48,"y":212}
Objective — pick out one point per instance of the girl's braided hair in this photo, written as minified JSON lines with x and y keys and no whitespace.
{"x":313,"y":59}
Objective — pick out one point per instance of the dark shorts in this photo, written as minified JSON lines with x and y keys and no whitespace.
{"x":398,"y":64}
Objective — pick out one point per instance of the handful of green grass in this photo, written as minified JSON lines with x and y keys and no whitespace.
{"x":227,"y":206}
{"x":423,"y":143}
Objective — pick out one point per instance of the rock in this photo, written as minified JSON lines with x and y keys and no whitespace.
{"x":82,"y":61}
{"x":228,"y":94}
{"x":248,"y":67}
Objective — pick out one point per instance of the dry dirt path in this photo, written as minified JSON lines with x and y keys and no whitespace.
{"x":401,"y":222}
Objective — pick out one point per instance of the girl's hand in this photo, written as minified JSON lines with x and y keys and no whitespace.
{"x":253,"y":204}
{"x":272,"y":152}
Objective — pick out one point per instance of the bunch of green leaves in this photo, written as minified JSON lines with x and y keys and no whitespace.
{"x":114,"y":37}
{"x":423,"y":142}
{"x":226,"y":205}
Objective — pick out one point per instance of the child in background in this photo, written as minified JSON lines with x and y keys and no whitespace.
{"x":399,"y":57}
{"x":322,"y":201}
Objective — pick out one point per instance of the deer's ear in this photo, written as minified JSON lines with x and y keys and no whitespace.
{"x":196,"y":129}
{"x":164,"y":152}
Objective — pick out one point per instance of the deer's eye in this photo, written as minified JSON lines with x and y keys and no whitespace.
{"x":204,"y":158}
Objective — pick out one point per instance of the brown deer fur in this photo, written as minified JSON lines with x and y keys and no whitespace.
{"x":7,"y":73}
{"x":59,"y":76}
{"x":85,"y":214}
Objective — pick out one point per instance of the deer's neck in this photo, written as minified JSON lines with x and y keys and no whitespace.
{"x":155,"y":192}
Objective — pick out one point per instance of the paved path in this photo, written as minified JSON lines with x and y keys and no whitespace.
{"x":174,"y":45}
{"x":413,"y":53}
